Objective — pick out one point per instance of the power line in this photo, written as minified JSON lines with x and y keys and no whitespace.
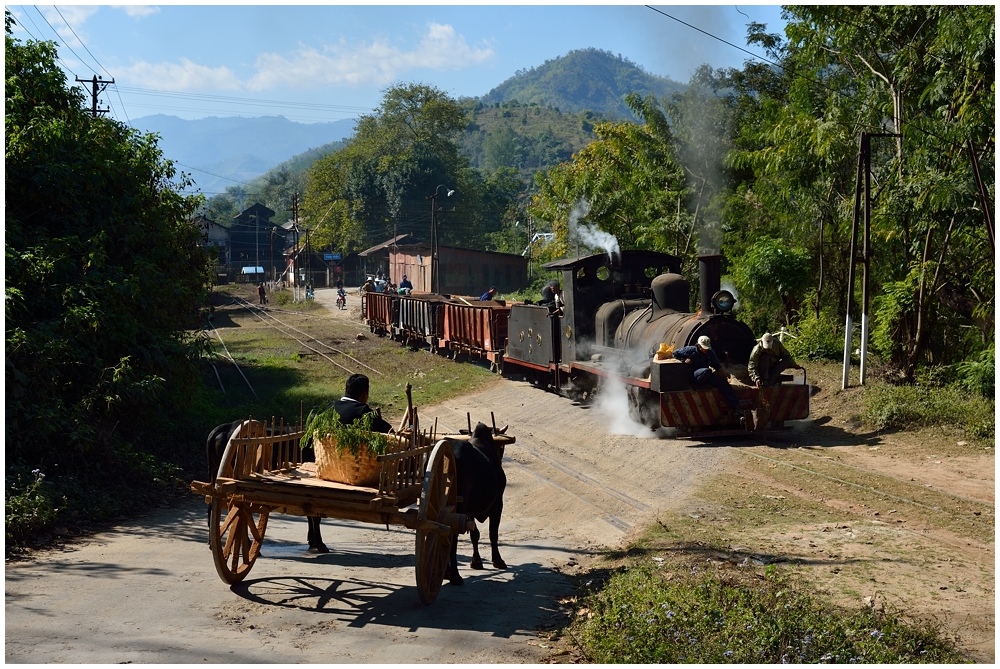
{"x":39,"y":39}
{"x":56,"y":33}
{"x":819,"y":82}
{"x":81,"y":42}
{"x":242,"y":183}
{"x":124,"y":112}
{"x":208,"y":97}
{"x":715,"y":37}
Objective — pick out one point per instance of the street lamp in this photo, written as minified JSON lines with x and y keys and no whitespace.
{"x":435,"y":270}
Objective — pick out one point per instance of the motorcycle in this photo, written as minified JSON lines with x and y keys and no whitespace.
{"x":341,"y":299}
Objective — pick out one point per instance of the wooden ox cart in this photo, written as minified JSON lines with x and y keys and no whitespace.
{"x":262,"y":472}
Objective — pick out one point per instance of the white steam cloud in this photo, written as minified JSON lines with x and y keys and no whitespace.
{"x":612,"y":403}
{"x":589,"y":236}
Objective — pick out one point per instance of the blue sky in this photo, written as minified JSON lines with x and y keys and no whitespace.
{"x":330,"y":62}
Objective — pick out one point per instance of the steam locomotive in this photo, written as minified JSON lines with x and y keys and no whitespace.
{"x":621,"y":317}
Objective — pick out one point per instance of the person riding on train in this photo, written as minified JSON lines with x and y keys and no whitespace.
{"x":706,"y":369}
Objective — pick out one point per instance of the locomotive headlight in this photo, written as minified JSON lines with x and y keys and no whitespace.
{"x":723,"y":302}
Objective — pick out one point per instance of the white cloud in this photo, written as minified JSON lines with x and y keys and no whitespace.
{"x":378,"y":62}
{"x":68,"y":22}
{"x":186,"y":76}
{"x":138,"y":11}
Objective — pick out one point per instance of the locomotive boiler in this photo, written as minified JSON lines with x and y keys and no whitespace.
{"x":619,"y":312}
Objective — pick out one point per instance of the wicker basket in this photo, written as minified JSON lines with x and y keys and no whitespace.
{"x":342,"y":467}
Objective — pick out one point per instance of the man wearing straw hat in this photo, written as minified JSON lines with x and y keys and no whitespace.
{"x":354,"y":404}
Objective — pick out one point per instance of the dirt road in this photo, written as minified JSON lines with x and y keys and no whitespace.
{"x":148,"y":592}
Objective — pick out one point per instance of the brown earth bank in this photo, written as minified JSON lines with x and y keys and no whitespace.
{"x":904,"y":518}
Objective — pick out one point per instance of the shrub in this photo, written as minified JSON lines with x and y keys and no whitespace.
{"x":977,"y":374}
{"x":29,"y":504}
{"x":646,"y":614}
{"x":897,"y":407}
{"x":816,"y":339}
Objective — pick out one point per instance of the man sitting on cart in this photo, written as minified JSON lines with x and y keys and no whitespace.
{"x":354,"y":404}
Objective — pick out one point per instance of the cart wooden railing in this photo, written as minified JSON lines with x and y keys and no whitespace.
{"x":262,"y":471}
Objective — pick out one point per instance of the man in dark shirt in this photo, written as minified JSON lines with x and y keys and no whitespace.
{"x":706,"y":370}
{"x":354,"y":404}
{"x":552,"y":298}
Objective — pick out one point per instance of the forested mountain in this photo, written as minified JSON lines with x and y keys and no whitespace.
{"x":514,"y":126}
{"x":524,"y":137}
{"x":583,"y":80}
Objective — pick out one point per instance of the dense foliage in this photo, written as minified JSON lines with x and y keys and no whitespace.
{"x":104,"y":277}
{"x":403,"y":160}
{"x":770,"y":166}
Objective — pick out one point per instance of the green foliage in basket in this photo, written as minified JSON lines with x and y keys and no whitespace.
{"x":353,"y":437}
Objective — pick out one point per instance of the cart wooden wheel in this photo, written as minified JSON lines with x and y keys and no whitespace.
{"x":237,"y":533}
{"x":438,"y":497}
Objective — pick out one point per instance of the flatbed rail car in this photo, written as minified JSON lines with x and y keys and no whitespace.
{"x":262,"y":472}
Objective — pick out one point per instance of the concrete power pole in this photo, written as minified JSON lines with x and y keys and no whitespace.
{"x":294,"y":268}
{"x":97,"y":86}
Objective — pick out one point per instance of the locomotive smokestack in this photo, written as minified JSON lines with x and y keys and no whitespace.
{"x":710,"y":278}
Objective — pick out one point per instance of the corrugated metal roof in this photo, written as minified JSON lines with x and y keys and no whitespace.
{"x":384,"y":245}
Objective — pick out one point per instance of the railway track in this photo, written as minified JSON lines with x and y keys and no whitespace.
{"x":313,"y":345}
{"x":306,"y":340}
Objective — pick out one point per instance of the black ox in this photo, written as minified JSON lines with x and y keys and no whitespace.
{"x":481,"y":482}
{"x":215,"y":448}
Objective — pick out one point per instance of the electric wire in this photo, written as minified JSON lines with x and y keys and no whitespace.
{"x":39,"y":39}
{"x":81,"y":41}
{"x":99,"y":64}
{"x":820,"y":82}
{"x":56,"y":33}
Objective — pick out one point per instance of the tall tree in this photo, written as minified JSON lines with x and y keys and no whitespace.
{"x":928,"y":74}
{"x":628,"y":180}
{"x":378,"y":185}
{"x":104,"y":275}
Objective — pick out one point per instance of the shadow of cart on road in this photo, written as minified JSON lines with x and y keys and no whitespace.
{"x":500,"y":603}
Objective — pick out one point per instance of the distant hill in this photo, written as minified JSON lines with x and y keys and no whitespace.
{"x":525,"y":137}
{"x":220,"y":151}
{"x":534,"y":120}
{"x":586,"y":79}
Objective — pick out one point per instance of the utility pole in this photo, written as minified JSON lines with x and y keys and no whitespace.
{"x":435,"y":269}
{"x":97,"y":86}
{"x":862,"y":184}
{"x":293,"y":266}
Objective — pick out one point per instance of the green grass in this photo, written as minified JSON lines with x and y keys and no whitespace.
{"x":653,"y":610}
{"x":890,"y":407}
